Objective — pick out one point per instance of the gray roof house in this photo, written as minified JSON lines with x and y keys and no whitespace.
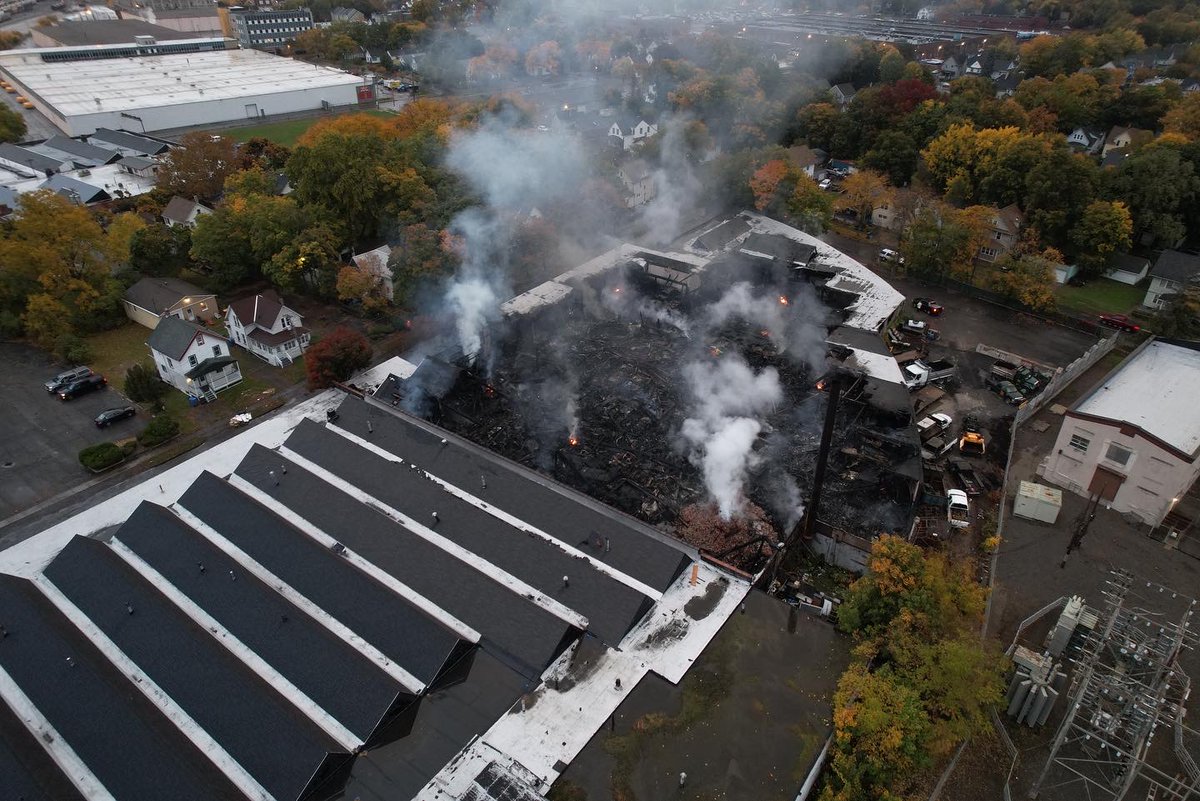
{"x":192,"y":359}
{"x":1171,"y":272}
{"x":150,"y":299}
{"x":181,"y":211}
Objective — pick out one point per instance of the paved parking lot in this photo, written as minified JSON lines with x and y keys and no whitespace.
{"x":40,"y":436}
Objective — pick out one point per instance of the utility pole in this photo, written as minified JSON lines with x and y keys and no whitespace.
{"x":1080,"y":530}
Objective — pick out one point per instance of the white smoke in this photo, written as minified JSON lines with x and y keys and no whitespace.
{"x":474,"y":304}
{"x":677,"y":188}
{"x":795,"y":322}
{"x":626,"y":303}
{"x":728,"y":399}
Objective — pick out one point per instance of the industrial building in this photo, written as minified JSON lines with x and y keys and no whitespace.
{"x":342,"y":601}
{"x":1133,"y":441}
{"x":171,"y":91}
{"x":265,"y":29}
{"x":101,"y":32}
{"x":193,"y":17}
{"x":108,"y":165}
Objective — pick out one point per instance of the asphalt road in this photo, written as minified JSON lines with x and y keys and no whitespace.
{"x":41,"y":436}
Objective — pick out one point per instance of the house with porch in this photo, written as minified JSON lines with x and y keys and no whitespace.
{"x":263,"y":325}
{"x":192,"y":359}
{"x":151,"y":299}
{"x":1134,"y":440}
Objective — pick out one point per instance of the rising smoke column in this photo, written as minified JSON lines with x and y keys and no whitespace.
{"x":728,"y":398}
{"x":509,"y":168}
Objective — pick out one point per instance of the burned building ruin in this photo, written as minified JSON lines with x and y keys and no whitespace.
{"x":655,"y":380}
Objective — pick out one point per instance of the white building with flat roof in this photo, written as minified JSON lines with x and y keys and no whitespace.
{"x":177,"y":90}
{"x":1134,"y":439}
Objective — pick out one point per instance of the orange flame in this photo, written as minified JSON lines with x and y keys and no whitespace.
{"x":572,"y":441}
{"x":783,"y":300}
{"x":821,"y":385}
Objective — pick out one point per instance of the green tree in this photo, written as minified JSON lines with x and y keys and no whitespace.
{"x":891,"y":66}
{"x":160,"y":250}
{"x":12,"y":125}
{"x":358,"y":285}
{"x":895,"y":155}
{"x":1028,"y":278}
{"x":308,"y":263}
{"x":1159,"y":186}
{"x":336,"y":357}
{"x":1179,"y":318}
{"x":221,"y":244}
{"x":1057,"y":190}
{"x":942,"y":242}
{"x":143,"y":385}
{"x":423,"y":254}
{"x":1104,"y":228}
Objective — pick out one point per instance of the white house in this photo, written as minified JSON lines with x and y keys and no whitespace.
{"x":843,"y":93}
{"x":1171,"y":273}
{"x":263,"y":325}
{"x":1086,"y":140}
{"x":375,"y":262}
{"x":1127,"y":269}
{"x":631,"y":131}
{"x":1134,"y":439}
{"x":184,"y":212}
{"x":1121,"y":137}
{"x":809,"y":159}
{"x":151,"y":299}
{"x":192,"y":359}
{"x":638,"y":180}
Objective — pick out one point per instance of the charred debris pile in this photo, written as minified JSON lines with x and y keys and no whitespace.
{"x":605,"y":390}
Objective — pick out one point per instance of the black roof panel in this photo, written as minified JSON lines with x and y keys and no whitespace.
{"x":311,"y":657}
{"x":505,"y":619}
{"x":394,"y":625}
{"x":637,"y":550}
{"x":611,"y":607}
{"x":268,"y":736}
{"x":124,"y":740}
{"x":27,"y":772}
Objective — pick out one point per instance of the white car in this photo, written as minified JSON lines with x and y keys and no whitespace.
{"x":889,"y":255}
{"x":958,"y":509}
{"x":826,"y":184}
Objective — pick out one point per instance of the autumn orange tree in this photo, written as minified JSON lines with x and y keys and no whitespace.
{"x":336,"y":357}
{"x":782,"y":190}
{"x":921,"y":679}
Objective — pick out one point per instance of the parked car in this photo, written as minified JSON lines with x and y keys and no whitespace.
{"x":109,"y":416}
{"x":67,"y":377}
{"x":928,"y":305}
{"x":914,"y":326}
{"x":889,"y":255}
{"x":826,"y":184}
{"x":1120,"y":322}
{"x":1008,"y":392}
{"x":82,"y":387}
{"x":958,"y":509}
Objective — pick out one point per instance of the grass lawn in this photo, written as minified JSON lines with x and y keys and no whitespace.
{"x":1101,"y":295}
{"x":115,"y":351}
{"x":286,"y":132}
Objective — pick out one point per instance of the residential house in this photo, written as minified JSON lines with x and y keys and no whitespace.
{"x":151,"y":299}
{"x":343,"y":14}
{"x":1121,"y":137}
{"x":193,"y":359}
{"x":952,"y":67}
{"x":1006,"y":86}
{"x":1086,"y":140}
{"x":375,"y":263}
{"x":1172,"y":272}
{"x":139,"y":166}
{"x":1002,"y":69}
{"x":973,"y":64}
{"x":841,"y":168}
{"x":183,"y":212}
{"x":263,"y":325}
{"x":631,"y":130}
{"x":1134,"y":439}
{"x":843,"y":93}
{"x":1004,"y":234}
{"x":1190,"y":85}
{"x":810,"y":160}
{"x":1115,"y":158}
{"x":1127,"y":269}
{"x":639,"y":183}
{"x":897,"y":212}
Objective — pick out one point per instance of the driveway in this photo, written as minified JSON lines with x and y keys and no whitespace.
{"x":41,"y":436}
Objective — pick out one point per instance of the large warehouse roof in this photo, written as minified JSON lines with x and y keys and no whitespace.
{"x":247,"y":623}
{"x":129,"y":84}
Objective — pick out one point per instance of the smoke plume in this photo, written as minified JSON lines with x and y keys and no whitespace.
{"x":727,"y":400}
